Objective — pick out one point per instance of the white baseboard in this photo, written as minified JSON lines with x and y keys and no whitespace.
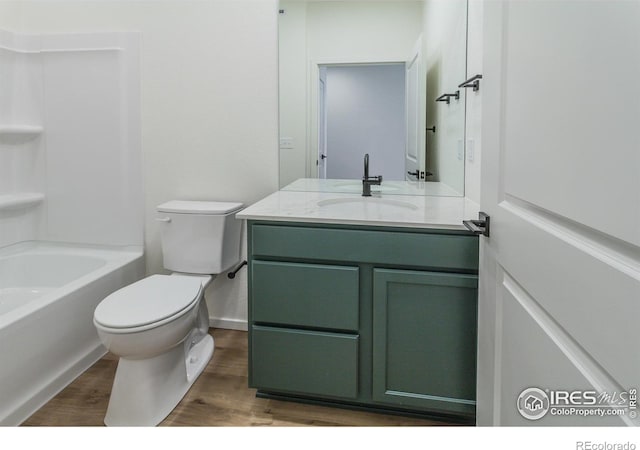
{"x":228,"y":324}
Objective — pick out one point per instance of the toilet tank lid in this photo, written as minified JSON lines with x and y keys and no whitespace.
{"x":199,"y":207}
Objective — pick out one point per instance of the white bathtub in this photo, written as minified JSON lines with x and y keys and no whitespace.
{"x":48,"y":292}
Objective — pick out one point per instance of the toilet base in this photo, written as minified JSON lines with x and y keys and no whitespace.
{"x":145,"y":391}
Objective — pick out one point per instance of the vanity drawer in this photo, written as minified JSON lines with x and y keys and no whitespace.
{"x":441,"y":250}
{"x":305,"y":295}
{"x":305,"y":362}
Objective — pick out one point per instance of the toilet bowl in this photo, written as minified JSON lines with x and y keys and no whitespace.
{"x":158,"y":326}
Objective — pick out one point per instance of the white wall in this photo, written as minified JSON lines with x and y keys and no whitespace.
{"x":292,"y":60}
{"x":363,"y":30}
{"x":474,"y":99}
{"x":366,"y":114}
{"x":8,"y":14}
{"x":445,"y":50}
{"x":335,"y":32}
{"x":209,"y":103}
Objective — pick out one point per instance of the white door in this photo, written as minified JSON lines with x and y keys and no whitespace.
{"x":413,"y":88}
{"x":560,"y":274}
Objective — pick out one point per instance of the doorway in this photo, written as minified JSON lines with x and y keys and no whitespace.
{"x":361,"y":109}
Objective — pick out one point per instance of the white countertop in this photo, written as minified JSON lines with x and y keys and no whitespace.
{"x":379,"y":210}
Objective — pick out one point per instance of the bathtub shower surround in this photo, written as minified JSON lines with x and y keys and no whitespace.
{"x":71,"y":207}
{"x":70,"y":136}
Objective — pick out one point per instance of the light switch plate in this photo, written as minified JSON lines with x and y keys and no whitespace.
{"x":470,"y":150}
{"x":286,"y":142}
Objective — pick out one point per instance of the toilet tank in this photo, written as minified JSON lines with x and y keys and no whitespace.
{"x":199,"y":236}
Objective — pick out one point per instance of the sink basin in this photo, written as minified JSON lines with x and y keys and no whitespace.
{"x":365,"y":204}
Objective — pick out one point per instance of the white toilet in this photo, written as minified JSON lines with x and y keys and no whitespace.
{"x":159,"y":325}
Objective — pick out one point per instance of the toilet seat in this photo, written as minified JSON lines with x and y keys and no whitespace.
{"x":148,"y":303}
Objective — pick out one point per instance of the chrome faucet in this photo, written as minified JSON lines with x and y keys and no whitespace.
{"x":368,"y":181}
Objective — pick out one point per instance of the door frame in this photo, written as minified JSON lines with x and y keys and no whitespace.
{"x":313,"y":103}
{"x":322,"y":129}
{"x":420,"y":161}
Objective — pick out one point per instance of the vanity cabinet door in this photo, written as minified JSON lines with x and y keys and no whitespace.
{"x":424,"y":340}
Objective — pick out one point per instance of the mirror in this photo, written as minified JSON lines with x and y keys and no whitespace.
{"x":360,"y":77}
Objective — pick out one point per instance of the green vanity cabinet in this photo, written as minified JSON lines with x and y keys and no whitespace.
{"x":374,"y":317}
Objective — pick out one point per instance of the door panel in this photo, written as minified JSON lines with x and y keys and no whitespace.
{"x":561,"y":270}
{"x":565,"y":128}
{"x":579,"y":282}
{"x":528,"y":338}
{"x":424,"y":339}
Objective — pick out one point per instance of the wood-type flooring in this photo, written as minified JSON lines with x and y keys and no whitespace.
{"x":220,"y":397}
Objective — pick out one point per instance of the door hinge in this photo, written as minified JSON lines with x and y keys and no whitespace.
{"x":480,"y":226}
